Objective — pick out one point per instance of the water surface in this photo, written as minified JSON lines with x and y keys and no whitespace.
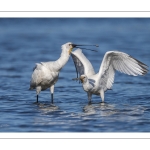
{"x":24,"y":42}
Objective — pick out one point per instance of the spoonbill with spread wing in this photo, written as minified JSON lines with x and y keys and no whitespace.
{"x":102,"y":81}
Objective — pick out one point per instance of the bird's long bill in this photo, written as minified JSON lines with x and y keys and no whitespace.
{"x":78,"y":79}
{"x":78,"y":46}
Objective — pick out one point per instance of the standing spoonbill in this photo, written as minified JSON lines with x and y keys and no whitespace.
{"x":102,"y":81}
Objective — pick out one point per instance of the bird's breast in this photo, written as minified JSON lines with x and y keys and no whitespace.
{"x":50,"y":80}
{"x":94,"y":87}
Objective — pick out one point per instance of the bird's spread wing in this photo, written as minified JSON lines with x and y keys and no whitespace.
{"x":122,"y":62}
{"x":78,"y":65}
{"x":82,"y":64}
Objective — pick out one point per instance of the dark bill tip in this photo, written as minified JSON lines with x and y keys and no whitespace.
{"x":78,"y":46}
{"x":75,"y":45}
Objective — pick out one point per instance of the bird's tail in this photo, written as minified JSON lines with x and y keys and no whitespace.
{"x":30,"y":88}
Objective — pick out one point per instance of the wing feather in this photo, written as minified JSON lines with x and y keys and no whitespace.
{"x":78,"y":65}
{"x":122,"y":62}
{"x":82,"y":64}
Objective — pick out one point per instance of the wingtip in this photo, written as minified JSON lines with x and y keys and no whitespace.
{"x":145,"y":72}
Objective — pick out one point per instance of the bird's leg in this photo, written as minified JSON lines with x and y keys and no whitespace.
{"x":37,"y":98}
{"x":38,"y":90}
{"x":52,"y":97}
{"x":89,"y":97}
{"x":52,"y":92}
{"x":102,"y":95}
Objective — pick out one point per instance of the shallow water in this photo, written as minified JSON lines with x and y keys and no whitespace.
{"x":24,"y":42}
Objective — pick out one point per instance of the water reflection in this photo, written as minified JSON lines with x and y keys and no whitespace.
{"x":47,"y":108}
{"x":103,"y":109}
{"x":106,"y":109}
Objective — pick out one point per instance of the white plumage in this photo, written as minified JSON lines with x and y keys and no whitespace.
{"x":104,"y":79}
{"x":45,"y":74}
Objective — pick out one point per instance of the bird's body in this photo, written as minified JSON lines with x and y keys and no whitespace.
{"x":98,"y":83}
{"x":45,"y":74}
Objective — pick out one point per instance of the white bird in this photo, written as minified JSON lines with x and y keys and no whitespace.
{"x":102,"y":81}
{"x":45,"y":74}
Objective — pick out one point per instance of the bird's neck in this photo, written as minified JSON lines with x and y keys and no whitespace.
{"x":86,"y":86}
{"x":62,"y":60}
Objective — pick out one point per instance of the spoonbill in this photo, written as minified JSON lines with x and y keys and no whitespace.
{"x":99,"y":83}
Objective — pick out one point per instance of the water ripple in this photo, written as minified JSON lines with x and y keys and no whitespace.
{"x":24,"y":42}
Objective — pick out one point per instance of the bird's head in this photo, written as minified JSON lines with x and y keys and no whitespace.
{"x":83,"y":78}
{"x":69,"y":47}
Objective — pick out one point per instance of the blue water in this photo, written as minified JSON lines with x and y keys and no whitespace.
{"x":26,"y":41}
